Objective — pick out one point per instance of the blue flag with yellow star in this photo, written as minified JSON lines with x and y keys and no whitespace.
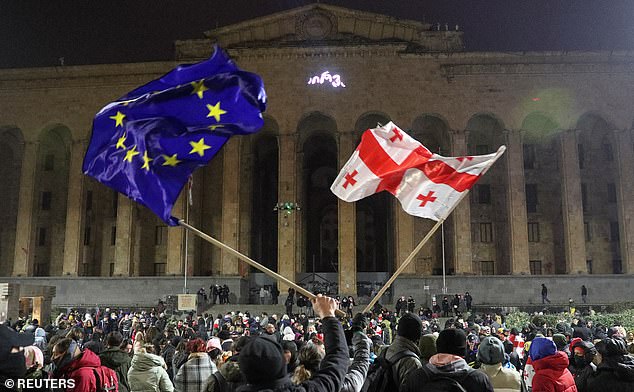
{"x":147,"y":143}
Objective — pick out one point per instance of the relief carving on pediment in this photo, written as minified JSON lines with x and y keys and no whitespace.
{"x":315,"y":25}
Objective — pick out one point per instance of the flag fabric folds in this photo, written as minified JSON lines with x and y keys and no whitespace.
{"x":426,"y":184}
{"x":147,"y":143}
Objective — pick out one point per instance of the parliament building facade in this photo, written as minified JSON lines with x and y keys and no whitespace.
{"x":559,"y":202}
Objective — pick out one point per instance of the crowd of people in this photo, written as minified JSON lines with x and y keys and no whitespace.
{"x":127,"y":351}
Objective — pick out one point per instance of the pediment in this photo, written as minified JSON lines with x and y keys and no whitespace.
{"x":322,"y":24}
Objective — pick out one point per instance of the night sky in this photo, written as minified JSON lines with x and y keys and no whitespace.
{"x":38,"y":33}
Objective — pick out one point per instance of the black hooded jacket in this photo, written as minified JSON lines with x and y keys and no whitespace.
{"x":614,"y":373}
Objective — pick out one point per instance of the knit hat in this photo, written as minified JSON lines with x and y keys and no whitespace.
{"x":610,"y":347}
{"x":542,"y":347}
{"x":410,"y":327}
{"x":452,"y":341}
{"x":262,"y":361}
{"x":491,"y":351}
{"x":427,"y":346}
{"x":560,"y":341}
{"x":213,"y":343}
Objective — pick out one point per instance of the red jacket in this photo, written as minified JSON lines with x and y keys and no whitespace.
{"x":81,"y":370}
{"x":552,"y":374}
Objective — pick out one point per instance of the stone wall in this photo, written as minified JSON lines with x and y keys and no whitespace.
{"x":519,"y":290}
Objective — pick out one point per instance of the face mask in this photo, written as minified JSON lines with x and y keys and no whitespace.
{"x":580,"y":362}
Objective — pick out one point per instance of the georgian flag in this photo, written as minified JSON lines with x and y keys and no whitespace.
{"x":427,"y":185}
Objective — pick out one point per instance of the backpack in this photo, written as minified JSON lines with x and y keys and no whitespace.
{"x":440,"y":383}
{"x":380,"y":376}
{"x":222,"y":385}
{"x":106,"y":379}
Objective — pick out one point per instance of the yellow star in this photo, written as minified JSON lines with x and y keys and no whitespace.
{"x":171,"y":161}
{"x":215,"y":111}
{"x":130,"y":154}
{"x":199,"y":147}
{"x":120,"y":142}
{"x":146,"y":161}
{"x":199,"y":88}
{"x":118,"y":118}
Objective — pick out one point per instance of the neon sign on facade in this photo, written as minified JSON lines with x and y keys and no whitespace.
{"x":326,"y":77}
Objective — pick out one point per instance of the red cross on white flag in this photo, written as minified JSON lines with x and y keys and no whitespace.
{"x":427,"y":185}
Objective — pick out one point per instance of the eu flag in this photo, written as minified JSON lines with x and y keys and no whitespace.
{"x":147,"y":143}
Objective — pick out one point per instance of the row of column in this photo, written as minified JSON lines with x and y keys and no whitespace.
{"x":289,"y":235}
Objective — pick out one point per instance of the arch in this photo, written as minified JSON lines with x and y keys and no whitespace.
{"x":539,"y":127}
{"x":369,"y":120}
{"x":593,"y":121}
{"x":485,"y":133}
{"x":315,"y":122}
{"x":433,"y":132}
{"x":319,"y":171}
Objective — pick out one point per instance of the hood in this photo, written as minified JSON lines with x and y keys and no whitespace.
{"x":145,"y":361}
{"x":541,"y":348}
{"x":231,"y":371}
{"x":557,"y":361}
{"x":85,"y":359}
{"x":447,"y":363}
{"x":113,"y":358}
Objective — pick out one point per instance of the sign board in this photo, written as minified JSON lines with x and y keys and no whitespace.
{"x":186,"y":301}
{"x":426,"y":288}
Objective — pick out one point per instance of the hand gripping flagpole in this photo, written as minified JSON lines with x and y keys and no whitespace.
{"x":426,"y":238}
{"x":253,"y":263}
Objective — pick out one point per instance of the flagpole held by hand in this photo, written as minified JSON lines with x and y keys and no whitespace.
{"x":422,"y":243}
{"x":253,"y":263}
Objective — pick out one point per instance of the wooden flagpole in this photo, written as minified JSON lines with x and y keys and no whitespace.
{"x":252,"y":262}
{"x":425,"y":239}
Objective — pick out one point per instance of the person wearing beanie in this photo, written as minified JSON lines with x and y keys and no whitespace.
{"x":427,"y":347}
{"x":408,"y":331}
{"x":551,"y":367}
{"x":491,"y":356}
{"x":448,"y":367}
{"x":264,"y":368}
{"x":615,"y":371}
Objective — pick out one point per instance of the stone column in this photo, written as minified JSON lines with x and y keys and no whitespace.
{"x":516,"y":204}
{"x":574,"y":237}
{"x":461,"y":216}
{"x":125,"y":239}
{"x":24,"y":233}
{"x":347,"y":227}
{"x":73,"y":241}
{"x":287,"y":224}
{"x":176,"y":239}
{"x":231,"y":206}
{"x":625,"y":197}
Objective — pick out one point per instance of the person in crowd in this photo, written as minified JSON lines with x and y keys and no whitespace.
{"x":445,"y":307}
{"x":584,"y":294}
{"x":148,"y":372}
{"x":448,"y":366}
{"x":12,"y":359}
{"x":408,"y":333}
{"x":491,"y":356}
{"x":71,"y":363}
{"x":194,"y":375}
{"x":581,"y":363}
{"x":116,"y":359}
{"x":401,"y":306}
{"x":551,"y":367}
{"x":427,"y":347}
{"x":309,"y":356}
{"x":545,"y":294}
{"x":615,"y":369}
{"x":468,"y":300}
{"x":35,"y":367}
{"x":229,"y":374}
{"x":262,"y":361}
{"x":168,"y":351}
